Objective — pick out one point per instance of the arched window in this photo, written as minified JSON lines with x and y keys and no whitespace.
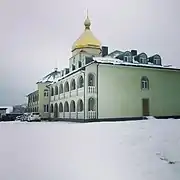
{"x":56,"y":110}
{"x":66,"y":107}
{"x":79,"y":64}
{"x":144,"y":83}
{"x":80,"y":105}
{"x":52,"y":91}
{"x":66,"y":86}
{"x":91,"y":80}
{"x":143,"y":58}
{"x":72,"y":106}
{"x":45,"y":93}
{"x":80,"y":82}
{"x":73,"y":67}
{"x":91,"y":104}
{"x":157,"y":59}
{"x":73,"y":84}
{"x":61,"y":88}
{"x":127,"y":56}
{"x":56,"y":90}
{"x":60,"y":107}
{"x":51,"y":108}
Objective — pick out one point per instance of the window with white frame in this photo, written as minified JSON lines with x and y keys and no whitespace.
{"x":46,"y":108}
{"x":125,"y":58}
{"x":157,"y":60}
{"x":46,"y":93}
{"x":143,"y":60}
{"x":144,"y":83}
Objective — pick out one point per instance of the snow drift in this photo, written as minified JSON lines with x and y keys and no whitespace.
{"x":135,"y":150}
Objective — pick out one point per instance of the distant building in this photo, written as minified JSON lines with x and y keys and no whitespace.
{"x":38,"y":101}
{"x":20,"y":108}
{"x":99,"y":84}
{"x":2,"y":112}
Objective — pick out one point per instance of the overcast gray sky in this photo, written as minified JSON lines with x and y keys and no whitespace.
{"x":36,"y":32}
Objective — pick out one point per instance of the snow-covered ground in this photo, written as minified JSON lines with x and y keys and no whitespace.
{"x":134,"y":150}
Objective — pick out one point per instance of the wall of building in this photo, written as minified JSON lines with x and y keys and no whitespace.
{"x":91,"y":92}
{"x":81,"y":57}
{"x":93,"y":51}
{"x":33,"y":105}
{"x":2,"y":113}
{"x":120,"y":93}
{"x":74,"y":95}
{"x":43,"y":100}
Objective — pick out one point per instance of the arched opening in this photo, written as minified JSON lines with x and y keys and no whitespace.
{"x":91,"y":80}
{"x":91,"y":104}
{"x":157,"y":59}
{"x":52,"y":91}
{"x":80,"y":82}
{"x":56,"y":110}
{"x":73,"y":84}
{"x":51,"y":109}
{"x":73,"y":67}
{"x":60,"y":107}
{"x":79,"y":64}
{"x":128,"y":56}
{"x":72,"y":106}
{"x":61,"y":88}
{"x":66,"y":87}
{"x":45,"y":93}
{"x":144,"y":83}
{"x":143,"y":58}
{"x":80,"y":105}
{"x":66,"y":107}
{"x":56,"y":90}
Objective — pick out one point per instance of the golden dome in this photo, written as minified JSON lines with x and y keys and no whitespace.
{"x":87,"y":39}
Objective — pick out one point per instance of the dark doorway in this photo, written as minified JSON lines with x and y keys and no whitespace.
{"x":145,"y":107}
{"x":56,"y":111}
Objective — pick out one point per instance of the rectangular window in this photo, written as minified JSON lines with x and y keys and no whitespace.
{"x":45,"y":93}
{"x":125,"y":58}
{"x":46,"y":108}
{"x":143,"y":60}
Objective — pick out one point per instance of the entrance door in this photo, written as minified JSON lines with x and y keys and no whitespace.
{"x":145,"y":107}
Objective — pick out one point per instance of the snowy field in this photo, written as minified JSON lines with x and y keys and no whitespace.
{"x":134,"y":150}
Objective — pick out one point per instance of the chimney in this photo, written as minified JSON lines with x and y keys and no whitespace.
{"x":104,"y":51}
{"x":134,"y":52}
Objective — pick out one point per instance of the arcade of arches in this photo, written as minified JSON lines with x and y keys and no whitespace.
{"x":69,"y":86}
{"x":72,"y":107}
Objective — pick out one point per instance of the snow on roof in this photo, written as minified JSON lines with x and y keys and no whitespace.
{"x":51,"y":76}
{"x":106,"y":60}
{"x":131,"y":150}
{"x":9,"y":109}
{"x":134,"y":63}
{"x":68,"y":74}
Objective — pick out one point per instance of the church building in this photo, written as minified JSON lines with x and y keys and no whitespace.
{"x":121,"y":84}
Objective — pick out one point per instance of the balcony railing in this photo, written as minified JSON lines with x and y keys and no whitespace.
{"x":73,"y":93}
{"x":61,"y":115}
{"x":80,"y":115}
{"x":91,"y":89}
{"x":73,"y":115}
{"x":91,"y":114}
{"x":80,"y":90}
{"x":61,"y":96}
{"x":56,"y":97}
{"x":66,"y":115}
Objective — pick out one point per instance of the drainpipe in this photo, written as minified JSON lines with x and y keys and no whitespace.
{"x":83,"y":71}
{"x":49,"y":95}
{"x":97,"y":89}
